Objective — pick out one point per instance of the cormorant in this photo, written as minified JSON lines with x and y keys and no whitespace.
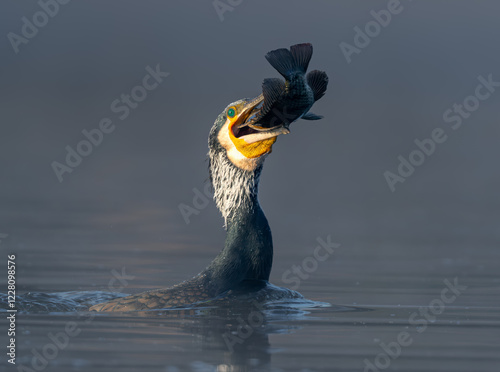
{"x":239,"y":141}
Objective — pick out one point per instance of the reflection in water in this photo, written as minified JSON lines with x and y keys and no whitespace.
{"x":241,"y":336}
{"x":233,"y":338}
{"x":229,"y":336}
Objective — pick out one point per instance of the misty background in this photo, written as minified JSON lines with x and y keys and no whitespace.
{"x":120,"y":206}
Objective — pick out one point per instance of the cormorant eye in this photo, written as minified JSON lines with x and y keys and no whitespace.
{"x":231,"y":112}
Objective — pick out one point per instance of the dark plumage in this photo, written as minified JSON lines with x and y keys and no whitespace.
{"x":236,"y":158}
{"x":248,"y":251}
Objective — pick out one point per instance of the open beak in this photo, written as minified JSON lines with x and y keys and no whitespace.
{"x":247,"y":129}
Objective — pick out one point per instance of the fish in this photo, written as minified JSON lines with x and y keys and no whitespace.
{"x":283,"y":102}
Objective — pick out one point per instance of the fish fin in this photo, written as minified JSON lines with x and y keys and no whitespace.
{"x":318,"y":81}
{"x":272,"y":89}
{"x":311,"y":116}
{"x":282,"y":60}
{"x":302,"y":54}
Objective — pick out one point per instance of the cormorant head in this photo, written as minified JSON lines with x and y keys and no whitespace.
{"x":236,"y":153}
{"x":244,"y":146}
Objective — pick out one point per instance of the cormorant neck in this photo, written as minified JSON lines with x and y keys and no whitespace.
{"x":248,"y":250}
{"x":235,"y":189}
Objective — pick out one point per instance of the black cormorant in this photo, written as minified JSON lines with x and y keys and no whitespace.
{"x":239,"y":141}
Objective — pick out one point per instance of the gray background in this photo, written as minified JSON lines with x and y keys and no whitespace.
{"x":325,"y":178}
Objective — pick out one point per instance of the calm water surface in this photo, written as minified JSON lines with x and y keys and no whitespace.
{"x":365,"y":304}
{"x":113,"y":226}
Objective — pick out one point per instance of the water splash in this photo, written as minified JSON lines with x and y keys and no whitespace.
{"x":38,"y":302}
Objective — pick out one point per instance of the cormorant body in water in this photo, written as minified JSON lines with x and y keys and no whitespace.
{"x":239,"y":141}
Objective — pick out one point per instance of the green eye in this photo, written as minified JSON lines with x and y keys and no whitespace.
{"x":231,"y":112}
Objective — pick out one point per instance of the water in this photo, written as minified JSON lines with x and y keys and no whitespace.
{"x":355,"y":313}
{"x":113,"y":226}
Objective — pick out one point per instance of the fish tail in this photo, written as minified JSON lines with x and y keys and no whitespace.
{"x":287,"y":62}
{"x":302,"y":54}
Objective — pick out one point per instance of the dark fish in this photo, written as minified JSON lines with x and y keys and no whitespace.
{"x":289,"y":100}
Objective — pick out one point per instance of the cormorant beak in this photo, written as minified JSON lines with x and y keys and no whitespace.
{"x":245,"y":128}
